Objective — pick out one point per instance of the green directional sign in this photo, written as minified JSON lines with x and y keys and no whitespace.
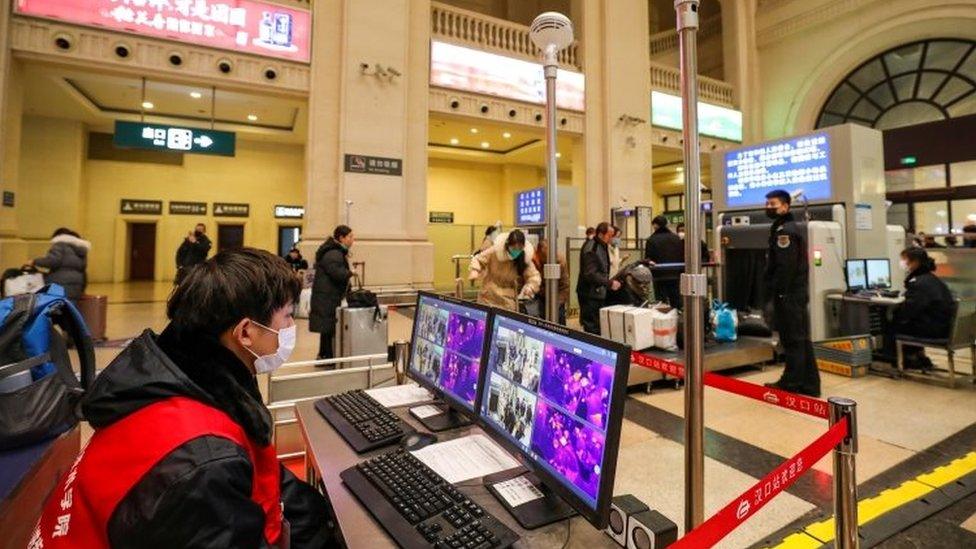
{"x":160,"y":137}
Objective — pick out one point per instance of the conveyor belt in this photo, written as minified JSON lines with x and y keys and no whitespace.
{"x":747,"y":351}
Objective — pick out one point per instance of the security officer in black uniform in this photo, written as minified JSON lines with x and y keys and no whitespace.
{"x":787,"y":275}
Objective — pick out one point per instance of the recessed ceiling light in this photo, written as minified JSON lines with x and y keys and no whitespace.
{"x":147,"y":105}
{"x":252,"y":117}
{"x":196,"y":95}
{"x":455,"y":141}
{"x":474,"y":130}
{"x":506,"y":135}
{"x":679,"y":169}
{"x":485,"y":144}
{"x":559,"y":155}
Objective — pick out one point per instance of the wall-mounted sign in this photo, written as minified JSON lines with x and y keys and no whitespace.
{"x":713,"y":121}
{"x":530,"y":207}
{"x":289,"y":212}
{"x":224,"y":209}
{"x":799,"y":163}
{"x":135,"y":206}
{"x":441,"y":217}
{"x":159,"y":137}
{"x":187,"y":208}
{"x":359,"y":163}
{"x":243,"y":26}
{"x":478,"y":71}
{"x":8,"y":199}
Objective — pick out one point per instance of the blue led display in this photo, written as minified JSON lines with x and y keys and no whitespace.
{"x":790,"y":164}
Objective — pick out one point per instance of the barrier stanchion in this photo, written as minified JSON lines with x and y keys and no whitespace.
{"x":843,"y":411}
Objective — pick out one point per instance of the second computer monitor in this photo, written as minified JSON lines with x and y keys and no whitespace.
{"x":856,"y":276}
{"x":878,"y":273}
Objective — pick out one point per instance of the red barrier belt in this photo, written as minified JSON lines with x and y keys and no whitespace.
{"x":752,"y":500}
{"x":777,"y":397}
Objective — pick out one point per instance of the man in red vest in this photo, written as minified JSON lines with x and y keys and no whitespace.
{"x":182,"y":453}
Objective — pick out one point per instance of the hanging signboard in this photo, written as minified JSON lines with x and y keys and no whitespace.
{"x":289,"y":212}
{"x":713,"y":120}
{"x":160,"y":137}
{"x":243,"y":26}
{"x":530,"y":207}
{"x":136,"y":206}
{"x":225,"y":209}
{"x":187,"y":208}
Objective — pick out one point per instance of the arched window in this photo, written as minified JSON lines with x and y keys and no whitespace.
{"x":912,"y":84}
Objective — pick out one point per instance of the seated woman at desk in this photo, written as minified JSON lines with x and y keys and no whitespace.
{"x":927,"y":310}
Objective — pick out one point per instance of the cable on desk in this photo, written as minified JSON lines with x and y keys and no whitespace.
{"x":569,"y":532}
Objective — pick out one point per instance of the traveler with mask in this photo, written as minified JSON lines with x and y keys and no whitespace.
{"x":613,"y":249}
{"x":679,"y":229}
{"x":331,"y":284}
{"x":193,"y":251}
{"x":663,"y":246}
{"x":594,"y":279}
{"x":926,"y":311}
{"x":787,"y":284}
{"x":182,"y":454}
{"x":506,"y":271}
{"x":295,"y":259}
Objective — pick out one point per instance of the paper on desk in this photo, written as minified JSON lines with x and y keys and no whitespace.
{"x":466,"y":458}
{"x":517,"y":491}
{"x":426,"y":411}
{"x":400,"y":395}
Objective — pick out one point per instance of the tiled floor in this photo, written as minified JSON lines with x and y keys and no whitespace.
{"x":896,"y":420}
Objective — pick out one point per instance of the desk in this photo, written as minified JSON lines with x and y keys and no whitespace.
{"x":850,"y":315}
{"x":327,"y":455}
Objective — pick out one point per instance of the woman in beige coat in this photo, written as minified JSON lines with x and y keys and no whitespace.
{"x":506,"y":271}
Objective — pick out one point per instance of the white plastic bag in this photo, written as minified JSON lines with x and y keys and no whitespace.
{"x":26,"y":283}
{"x":666,"y":329}
{"x":304,"y":303}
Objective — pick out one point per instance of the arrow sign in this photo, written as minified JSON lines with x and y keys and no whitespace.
{"x":178,"y":139}
{"x":204,"y":141}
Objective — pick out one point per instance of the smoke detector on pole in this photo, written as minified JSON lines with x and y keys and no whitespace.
{"x":551,"y":32}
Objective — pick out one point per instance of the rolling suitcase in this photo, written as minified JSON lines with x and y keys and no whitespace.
{"x":362,"y":331}
{"x":93,"y":309}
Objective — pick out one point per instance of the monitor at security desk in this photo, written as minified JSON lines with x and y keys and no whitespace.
{"x":856,"y":272}
{"x":556,"y":397}
{"x":878,"y":274}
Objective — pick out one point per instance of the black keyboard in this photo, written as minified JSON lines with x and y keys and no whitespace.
{"x":361,"y":420}
{"x":418,"y":508}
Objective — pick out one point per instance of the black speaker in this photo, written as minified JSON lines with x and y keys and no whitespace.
{"x":650,"y":530}
{"x":621,"y":508}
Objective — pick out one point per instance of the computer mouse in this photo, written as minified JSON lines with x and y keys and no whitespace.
{"x":415,"y":441}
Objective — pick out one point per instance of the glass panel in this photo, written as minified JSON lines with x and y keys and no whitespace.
{"x":881,"y":94}
{"x":829,"y":120}
{"x":963,"y":173}
{"x":930,"y":81}
{"x":931,"y":217}
{"x":904,"y":59}
{"x":945,"y":54}
{"x":898,"y":215}
{"x":868,"y":75}
{"x":842,"y":99}
{"x":953,"y":89}
{"x":905,"y":86}
{"x":963,"y":107}
{"x":968,"y":67}
{"x":449,"y":240}
{"x":673,"y":203}
{"x":865,"y":110}
{"x":926,"y":177}
{"x":908,"y":114}
{"x":963,"y":213}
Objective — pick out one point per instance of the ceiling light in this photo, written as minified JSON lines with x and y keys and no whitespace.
{"x":506,"y":135}
{"x":455,"y":141}
{"x":252,"y":117}
{"x":474,"y":130}
{"x":679,"y":169}
{"x":485,"y":144}
{"x":147,"y":105}
{"x":559,"y":155}
{"x":196,"y":95}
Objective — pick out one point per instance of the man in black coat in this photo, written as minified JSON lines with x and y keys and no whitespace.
{"x":663,"y":246}
{"x":594,"y":278}
{"x":193,"y":251}
{"x":787,"y":281}
{"x":332,"y":274}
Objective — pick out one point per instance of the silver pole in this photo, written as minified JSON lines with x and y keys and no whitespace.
{"x":693,"y":282}
{"x":401,"y":355}
{"x":551,"y":268}
{"x":845,"y":480}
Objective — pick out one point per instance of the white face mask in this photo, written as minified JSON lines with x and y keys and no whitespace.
{"x":286,"y":344}
{"x":681,"y":235}
{"x":904,"y":265}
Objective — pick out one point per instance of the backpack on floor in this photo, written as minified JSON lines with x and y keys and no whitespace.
{"x":39,"y":392}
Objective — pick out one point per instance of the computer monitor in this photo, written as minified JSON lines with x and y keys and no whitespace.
{"x":446,"y":356}
{"x":878,"y":273}
{"x":857,"y":278}
{"x":555,"y":396}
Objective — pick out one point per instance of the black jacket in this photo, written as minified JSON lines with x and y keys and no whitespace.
{"x":332,"y":274}
{"x":928,"y":307}
{"x":594,"y":277}
{"x":786,"y":259}
{"x":192,"y":253}
{"x":199,"y":495}
{"x":665,"y":247}
{"x":298,"y":264}
{"x":66,"y":262}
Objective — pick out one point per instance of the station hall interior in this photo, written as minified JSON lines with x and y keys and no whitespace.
{"x":422,"y":126}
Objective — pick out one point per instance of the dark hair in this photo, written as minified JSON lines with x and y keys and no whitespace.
{"x":590,"y":231}
{"x":660,"y":221}
{"x":232,"y":285}
{"x":602,"y":228}
{"x":915,"y":254}
{"x":782,"y":195}
{"x":490,"y":229}
{"x":64,"y":230}
{"x":679,"y":226}
{"x":517,"y":238}
{"x":200,"y":225}
{"x":341,"y":231}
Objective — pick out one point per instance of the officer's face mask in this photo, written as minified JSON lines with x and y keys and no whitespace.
{"x":904,"y":265}
{"x":772,"y":213}
{"x":265,"y":364}
{"x":681,"y":235}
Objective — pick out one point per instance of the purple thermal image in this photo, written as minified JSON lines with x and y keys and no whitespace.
{"x":580,"y":386}
{"x":465,"y":335}
{"x":574,"y":450}
{"x":459,"y":376}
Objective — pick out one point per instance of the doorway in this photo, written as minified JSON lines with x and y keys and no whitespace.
{"x":142,"y":251}
{"x":229,"y":237}
{"x":288,"y":236}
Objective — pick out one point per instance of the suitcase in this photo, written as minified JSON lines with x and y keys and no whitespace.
{"x":362,"y":331}
{"x":93,"y":310}
{"x":639,"y":328}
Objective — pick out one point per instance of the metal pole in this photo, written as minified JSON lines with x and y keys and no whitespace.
{"x":845,"y":480}
{"x":694,"y":284}
{"x":401,"y":354}
{"x":551,"y":268}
